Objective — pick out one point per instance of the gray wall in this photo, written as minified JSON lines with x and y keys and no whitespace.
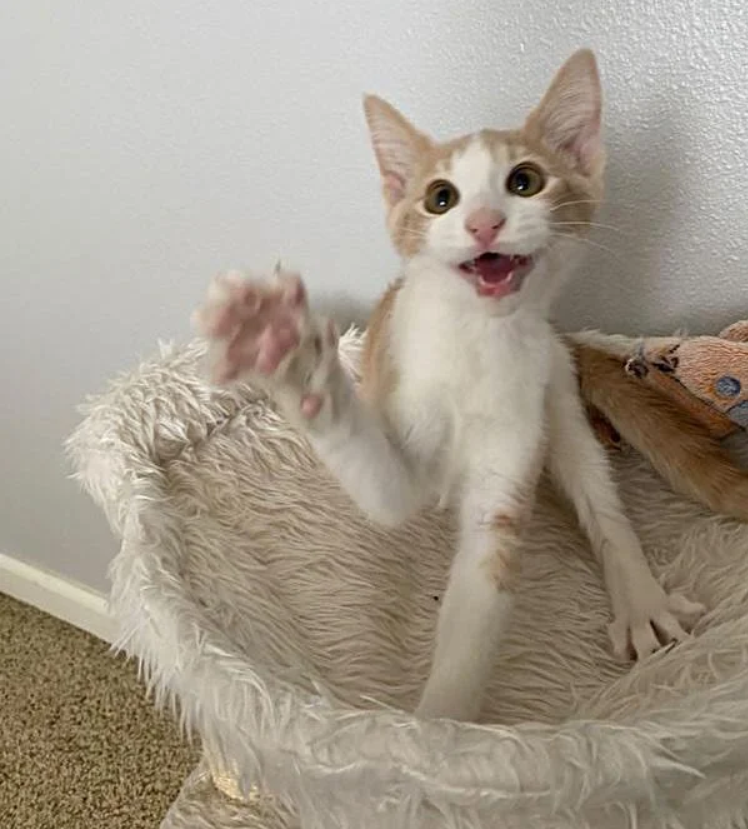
{"x":145,"y":145}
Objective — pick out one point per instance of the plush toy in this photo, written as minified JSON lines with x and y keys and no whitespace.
{"x":706,"y":375}
{"x":674,"y":399}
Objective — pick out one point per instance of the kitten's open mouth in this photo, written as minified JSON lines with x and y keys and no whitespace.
{"x":495,"y":274}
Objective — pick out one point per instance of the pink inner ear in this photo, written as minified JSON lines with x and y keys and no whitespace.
{"x":585,"y":146}
{"x":394,"y":187}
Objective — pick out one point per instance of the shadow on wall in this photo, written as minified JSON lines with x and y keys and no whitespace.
{"x":657,"y":213}
{"x":343,"y":308}
{"x":629,"y":246}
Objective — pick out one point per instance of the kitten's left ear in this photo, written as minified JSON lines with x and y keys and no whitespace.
{"x":568,"y":118}
{"x":397,"y":145}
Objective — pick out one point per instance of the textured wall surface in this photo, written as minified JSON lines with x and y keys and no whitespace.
{"x":146,"y":145}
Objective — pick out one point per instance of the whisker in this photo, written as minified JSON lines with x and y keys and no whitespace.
{"x":589,"y":242}
{"x":590,"y":224}
{"x":571,"y":203}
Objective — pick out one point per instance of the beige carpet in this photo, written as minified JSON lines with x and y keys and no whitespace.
{"x":80,"y":745}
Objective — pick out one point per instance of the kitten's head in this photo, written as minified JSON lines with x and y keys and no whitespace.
{"x":493,"y":205}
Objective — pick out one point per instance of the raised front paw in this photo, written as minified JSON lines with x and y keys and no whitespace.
{"x":264,"y":330}
{"x":651,"y":621}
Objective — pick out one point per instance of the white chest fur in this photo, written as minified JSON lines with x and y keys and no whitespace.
{"x":465,"y":372}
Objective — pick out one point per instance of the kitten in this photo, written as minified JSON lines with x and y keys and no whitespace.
{"x":466,"y":390}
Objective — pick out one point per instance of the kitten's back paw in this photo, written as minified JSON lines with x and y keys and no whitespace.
{"x":662,"y":621}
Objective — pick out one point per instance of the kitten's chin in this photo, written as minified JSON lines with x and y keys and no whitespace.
{"x":496,"y":275}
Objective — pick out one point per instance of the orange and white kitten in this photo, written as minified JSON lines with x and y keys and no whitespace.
{"x":467,"y":391}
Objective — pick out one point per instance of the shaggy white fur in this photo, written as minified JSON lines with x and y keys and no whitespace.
{"x":294,"y":636}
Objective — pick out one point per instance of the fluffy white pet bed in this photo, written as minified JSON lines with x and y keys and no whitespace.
{"x":294,"y":637}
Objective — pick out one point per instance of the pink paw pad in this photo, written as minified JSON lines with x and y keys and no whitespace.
{"x":311,"y":405}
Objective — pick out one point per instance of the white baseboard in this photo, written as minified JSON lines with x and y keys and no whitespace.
{"x":60,"y":597}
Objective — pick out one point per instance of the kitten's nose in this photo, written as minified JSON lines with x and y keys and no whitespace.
{"x":484,"y":224}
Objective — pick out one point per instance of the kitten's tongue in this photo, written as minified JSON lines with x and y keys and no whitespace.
{"x":492,"y":267}
{"x":495,"y":273}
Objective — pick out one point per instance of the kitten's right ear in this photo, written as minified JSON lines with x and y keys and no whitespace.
{"x":397,"y":146}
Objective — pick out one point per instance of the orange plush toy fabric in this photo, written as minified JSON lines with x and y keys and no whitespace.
{"x":708,"y":376}
{"x":674,"y":400}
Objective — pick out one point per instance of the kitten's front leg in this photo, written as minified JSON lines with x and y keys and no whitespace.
{"x":645,"y":617}
{"x":264,"y":331}
{"x":497,"y":501}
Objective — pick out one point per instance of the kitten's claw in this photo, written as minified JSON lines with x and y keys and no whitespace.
{"x":656,"y":621}
{"x":264,"y":330}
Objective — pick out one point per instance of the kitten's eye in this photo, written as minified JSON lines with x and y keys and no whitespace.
{"x":525,"y":180}
{"x":441,"y":196}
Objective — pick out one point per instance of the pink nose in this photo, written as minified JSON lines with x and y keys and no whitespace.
{"x":484,"y":224}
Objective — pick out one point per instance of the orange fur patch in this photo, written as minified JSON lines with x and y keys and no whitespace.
{"x":407,"y":222}
{"x":504,"y":565}
{"x":506,"y":522}
{"x":573,"y":197}
{"x":378,"y":373}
